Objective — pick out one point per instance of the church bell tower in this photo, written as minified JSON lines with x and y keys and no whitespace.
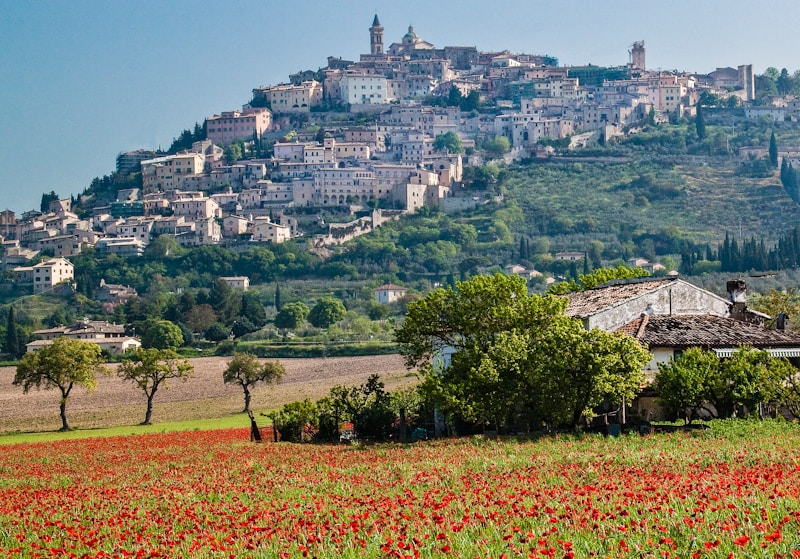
{"x":376,"y":37}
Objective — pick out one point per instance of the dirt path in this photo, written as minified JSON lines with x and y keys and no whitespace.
{"x":116,"y":402}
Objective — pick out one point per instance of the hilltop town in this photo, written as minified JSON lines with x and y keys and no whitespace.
{"x":334,"y":153}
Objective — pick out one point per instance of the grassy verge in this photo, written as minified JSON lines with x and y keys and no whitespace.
{"x":227,"y":422}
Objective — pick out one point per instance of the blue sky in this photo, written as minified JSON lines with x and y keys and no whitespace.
{"x":83,"y":80}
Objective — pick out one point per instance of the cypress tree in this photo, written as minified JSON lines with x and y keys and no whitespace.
{"x":11,"y":345}
{"x":725,"y":254}
{"x":773,"y":151}
{"x":736,"y":256}
{"x":278,"y":303}
{"x":573,"y":271}
{"x":784,"y":172}
{"x":700,"y":123}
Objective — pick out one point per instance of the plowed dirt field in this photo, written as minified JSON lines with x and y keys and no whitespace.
{"x":117,"y":402}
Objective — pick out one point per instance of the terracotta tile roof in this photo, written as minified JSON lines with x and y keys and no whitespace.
{"x":709,"y":331}
{"x":586,"y":303}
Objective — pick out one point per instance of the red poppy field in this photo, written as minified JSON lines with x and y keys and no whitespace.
{"x":728,"y":492}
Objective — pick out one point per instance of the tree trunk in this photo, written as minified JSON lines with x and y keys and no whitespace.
{"x":149,"y":413}
{"x":576,"y":419}
{"x":246,"y":398}
{"x":63,"y":410}
{"x":63,"y":406}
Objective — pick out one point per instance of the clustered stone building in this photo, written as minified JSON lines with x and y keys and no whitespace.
{"x":201,"y":197}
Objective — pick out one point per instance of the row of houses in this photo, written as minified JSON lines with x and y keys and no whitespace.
{"x":110,"y":337}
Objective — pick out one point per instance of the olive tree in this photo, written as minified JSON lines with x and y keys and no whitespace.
{"x":150,"y":369}
{"x":246,"y":371}
{"x":61,"y":365}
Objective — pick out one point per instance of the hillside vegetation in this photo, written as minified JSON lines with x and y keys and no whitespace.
{"x":661,"y":194}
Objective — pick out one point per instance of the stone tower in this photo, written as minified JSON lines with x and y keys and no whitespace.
{"x":637,"y":56}
{"x":748,"y":81}
{"x":376,"y":37}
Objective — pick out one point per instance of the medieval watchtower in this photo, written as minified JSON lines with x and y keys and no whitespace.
{"x":637,"y":56}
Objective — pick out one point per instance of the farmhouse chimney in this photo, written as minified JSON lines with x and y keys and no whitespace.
{"x":737,"y":295}
{"x":782,"y":322}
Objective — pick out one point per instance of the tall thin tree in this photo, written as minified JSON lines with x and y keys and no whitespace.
{"x":700,"y":123}
{"x":11,"y":343}
{"x":773,"y":151}
{"x":278,"y":303}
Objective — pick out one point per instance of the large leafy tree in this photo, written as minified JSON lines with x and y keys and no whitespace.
{"x":598,"y":277}
{"x":774,"y":302}
{"x":61,"y":365}
{"x":253,"y":309}
{"x":577,"y":369}
{"x":683,"y":383}
{"x":150,"y":369}
{"x":292,"y":315}
{"x":497,"y":146}
{"x":471,"y":315}
{"x":326,"y":312}
{"x":748,"y":378}
{"x":513,"y":354}
{"x":199,"y":317}
{"x":368,"y":407}
{"x":162,"y":334}
{"x":246,"y":371}
{"x":449,"y":142}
